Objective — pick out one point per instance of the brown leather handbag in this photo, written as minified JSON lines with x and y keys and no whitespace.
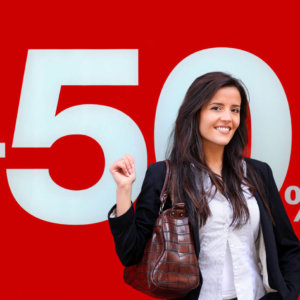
{"x":169,"y":268}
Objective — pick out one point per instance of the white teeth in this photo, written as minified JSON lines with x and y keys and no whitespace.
{"x":226,"y":129}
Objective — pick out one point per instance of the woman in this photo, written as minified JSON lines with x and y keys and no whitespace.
{"x":245,"y":244}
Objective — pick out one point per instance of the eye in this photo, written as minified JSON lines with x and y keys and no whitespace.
{"x":236,"y":110}
{"x":216,"y":108}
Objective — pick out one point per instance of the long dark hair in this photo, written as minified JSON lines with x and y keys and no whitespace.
{"x":187,"y":157}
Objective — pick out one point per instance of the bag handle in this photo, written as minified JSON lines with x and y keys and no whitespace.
{"x":164,"y":191}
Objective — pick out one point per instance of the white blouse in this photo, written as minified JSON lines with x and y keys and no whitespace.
{"x":228,"y":259}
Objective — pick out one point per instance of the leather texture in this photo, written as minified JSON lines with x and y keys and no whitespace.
{"x":169,"y":267}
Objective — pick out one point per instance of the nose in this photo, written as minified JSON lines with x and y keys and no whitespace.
{"x":226,"y":115}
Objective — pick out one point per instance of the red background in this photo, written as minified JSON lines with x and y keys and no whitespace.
{"x":41,"y":260}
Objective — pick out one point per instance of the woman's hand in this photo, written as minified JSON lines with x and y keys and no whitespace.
{"x":123,"y":171}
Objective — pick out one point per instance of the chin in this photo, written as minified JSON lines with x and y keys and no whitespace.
{"x":223,"y":143}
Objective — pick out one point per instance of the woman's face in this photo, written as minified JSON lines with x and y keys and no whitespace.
{"x":220,"y":117}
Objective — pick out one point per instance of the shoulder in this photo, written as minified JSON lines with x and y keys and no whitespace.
{"x":151,"y":188}
{"x":156,"y":173}
{"x":256,"y":163}
{"x":260,"y":167}
{"x":157,"y":167}
{"x":263,"y":170}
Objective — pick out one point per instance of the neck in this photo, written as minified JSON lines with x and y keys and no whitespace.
{"x":213,"y":155}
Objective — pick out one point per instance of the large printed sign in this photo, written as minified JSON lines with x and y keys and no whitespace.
{"x":69,"y":109}
{"x":37,"y":124}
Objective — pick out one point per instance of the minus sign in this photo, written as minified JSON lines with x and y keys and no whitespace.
{"x":2,"y":150}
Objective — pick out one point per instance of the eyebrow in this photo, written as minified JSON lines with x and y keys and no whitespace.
{"x":217,"y":103}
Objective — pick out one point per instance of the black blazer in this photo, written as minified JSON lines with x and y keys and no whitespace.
{"x":132,"y":230}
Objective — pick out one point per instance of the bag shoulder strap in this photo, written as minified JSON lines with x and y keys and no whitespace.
{"x":164,"y":191}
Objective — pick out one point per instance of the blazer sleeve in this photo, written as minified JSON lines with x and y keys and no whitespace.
{"x":132,"y":229}
{"x":288,"y":245}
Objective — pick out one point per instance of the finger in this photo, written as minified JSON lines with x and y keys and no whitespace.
{"x":123,"y":167}
{"x":128,"y":165}
{"x":119,"y":166}
{"x":130,"y":158}
{"x":125,"y":163}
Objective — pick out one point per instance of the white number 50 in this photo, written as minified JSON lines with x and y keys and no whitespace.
{"x":37,"y":126}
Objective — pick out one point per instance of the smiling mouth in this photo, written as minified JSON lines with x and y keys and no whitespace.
{"x":223,"y":129}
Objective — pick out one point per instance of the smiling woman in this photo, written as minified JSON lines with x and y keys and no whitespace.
{"x":219,"y":119}
{"x":244,"y":242}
